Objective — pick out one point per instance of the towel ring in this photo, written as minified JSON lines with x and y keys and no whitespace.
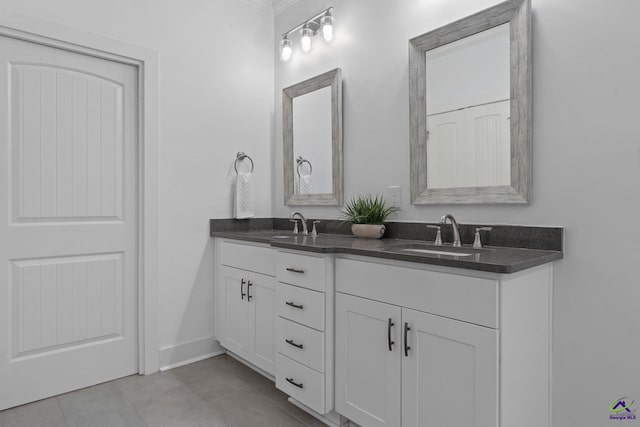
{"x":300,"y":160}
{"x":240,"y":157}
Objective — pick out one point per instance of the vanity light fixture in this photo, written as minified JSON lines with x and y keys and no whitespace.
{"x":305,"y":38}
{"x":327,"y":26}
{"x":285,"y":49}
{"x":309,"y":28}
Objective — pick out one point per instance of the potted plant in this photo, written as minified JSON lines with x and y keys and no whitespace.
{"x":367,"y":215}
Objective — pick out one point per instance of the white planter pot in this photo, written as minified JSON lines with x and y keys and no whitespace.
{"x":368,"y":231}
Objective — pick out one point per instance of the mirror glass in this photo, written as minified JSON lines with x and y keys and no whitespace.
{"x":312,"y":140}
{"x":468,"y":142}
{"x":470,"y":114}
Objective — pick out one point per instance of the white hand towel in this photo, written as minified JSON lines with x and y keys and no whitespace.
{"x":243,"y":203}
{"x":305,"y":184}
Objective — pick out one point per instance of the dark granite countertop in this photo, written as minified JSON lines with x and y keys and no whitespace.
{"x":495,"y":259}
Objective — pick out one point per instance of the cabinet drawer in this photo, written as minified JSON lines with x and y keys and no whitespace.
{"x":471,"y":299}
{"x":301,"y":270}
{"x":300,"y":305}
{"x":300,"y":343}
{"x":310,"y":384}
{"x":248,"y":257}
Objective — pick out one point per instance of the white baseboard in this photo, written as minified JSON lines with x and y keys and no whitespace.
{"x":188,"y":352}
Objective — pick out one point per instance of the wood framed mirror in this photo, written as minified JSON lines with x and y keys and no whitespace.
{"x":312,"y":141}
{"x":470,"y":109}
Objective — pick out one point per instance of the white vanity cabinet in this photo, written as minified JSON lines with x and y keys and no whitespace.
{"x":368,"y":373}
{"x":304,"y":333}
{"x":450,"y":368}
{"x":430,"y":346}
{"x":245,"y":295}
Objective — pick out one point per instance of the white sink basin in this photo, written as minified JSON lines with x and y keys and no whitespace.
{"x":434,"y":252}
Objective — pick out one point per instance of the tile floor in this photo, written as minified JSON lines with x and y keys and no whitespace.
{"x":216,"y":392}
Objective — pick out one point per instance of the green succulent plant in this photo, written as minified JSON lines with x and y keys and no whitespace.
{"x":367,"y":210}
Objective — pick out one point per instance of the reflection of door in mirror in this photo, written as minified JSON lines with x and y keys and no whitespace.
{"x":468,"y":111}
{"x":312,"y":142}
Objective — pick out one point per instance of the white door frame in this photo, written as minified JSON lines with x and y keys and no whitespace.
{"x":146,"y":61}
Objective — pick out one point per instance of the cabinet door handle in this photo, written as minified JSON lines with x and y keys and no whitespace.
{"x":406,"y":343}
{"x":242,"y":294}
{"x":291,"y":342}
{"x":389,"y":325}
{"x":295,"y":270}
{"x":249,"y":284}
{"x":294,"y":305}
{"x":291,"y":381}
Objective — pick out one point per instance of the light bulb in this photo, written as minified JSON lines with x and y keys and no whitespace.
{"x":305,"y":38}
{"x":285,"y":49}
{"x":327,"y":26}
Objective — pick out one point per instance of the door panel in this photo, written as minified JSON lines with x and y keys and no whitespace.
{"x":68,"y":221}
{"x":450,"y":376}
{"x":367,"y":373}
{"x":263,"y":301}
{"x":491,"y":136}
{"x":469,"y":147}
{"x":68,"y":137}
{"x":61,"y":302}
{"x":235,"y":315}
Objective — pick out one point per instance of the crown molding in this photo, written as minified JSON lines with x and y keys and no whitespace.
{"x":280,"y":5}
{"x":275,"y":5}
{"x":262,"y":4}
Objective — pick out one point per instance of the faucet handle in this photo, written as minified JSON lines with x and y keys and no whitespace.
{"x":477,"y":243}
{"x":314,"y":231}
{"x":438,"y":240}
{"x":295,"y":225}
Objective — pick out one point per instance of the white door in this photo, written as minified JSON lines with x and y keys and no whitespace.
{"x":234,"y":316}
{"x":368,"y":361}
{"x":247,"y":316}
{"x":450,"y":158}
{"x":68,"y":215}
{"x":450,"y":373}
{"x":261,"y":295}
{"x":491,"y":137}
{"x":470,"y":147}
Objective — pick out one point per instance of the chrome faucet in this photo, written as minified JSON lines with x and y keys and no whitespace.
{"x":455,"y":227}
{"x":305,"y":231}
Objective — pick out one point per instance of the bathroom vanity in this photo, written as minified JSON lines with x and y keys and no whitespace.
{"x":387,"y":336}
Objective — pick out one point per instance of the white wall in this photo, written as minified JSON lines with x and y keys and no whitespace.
{"x":586,"y":163}
{"x":216,"y":97}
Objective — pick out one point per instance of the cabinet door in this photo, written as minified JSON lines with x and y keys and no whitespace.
{"x":234,"y":327}
{"x":450,"y":376}
{"x":367,"y":372}
{"x":261,"y":295}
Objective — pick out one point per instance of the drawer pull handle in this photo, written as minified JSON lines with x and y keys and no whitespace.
{"x":249,"y":284}
{"x":391,"y":343}
{"x":406,"y":343}
{"x":295,"y":270}
{"x":294,"y":305}
{"x":242,"y":294}
{"x":291,"y":381}
{"x":291,"y":342}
